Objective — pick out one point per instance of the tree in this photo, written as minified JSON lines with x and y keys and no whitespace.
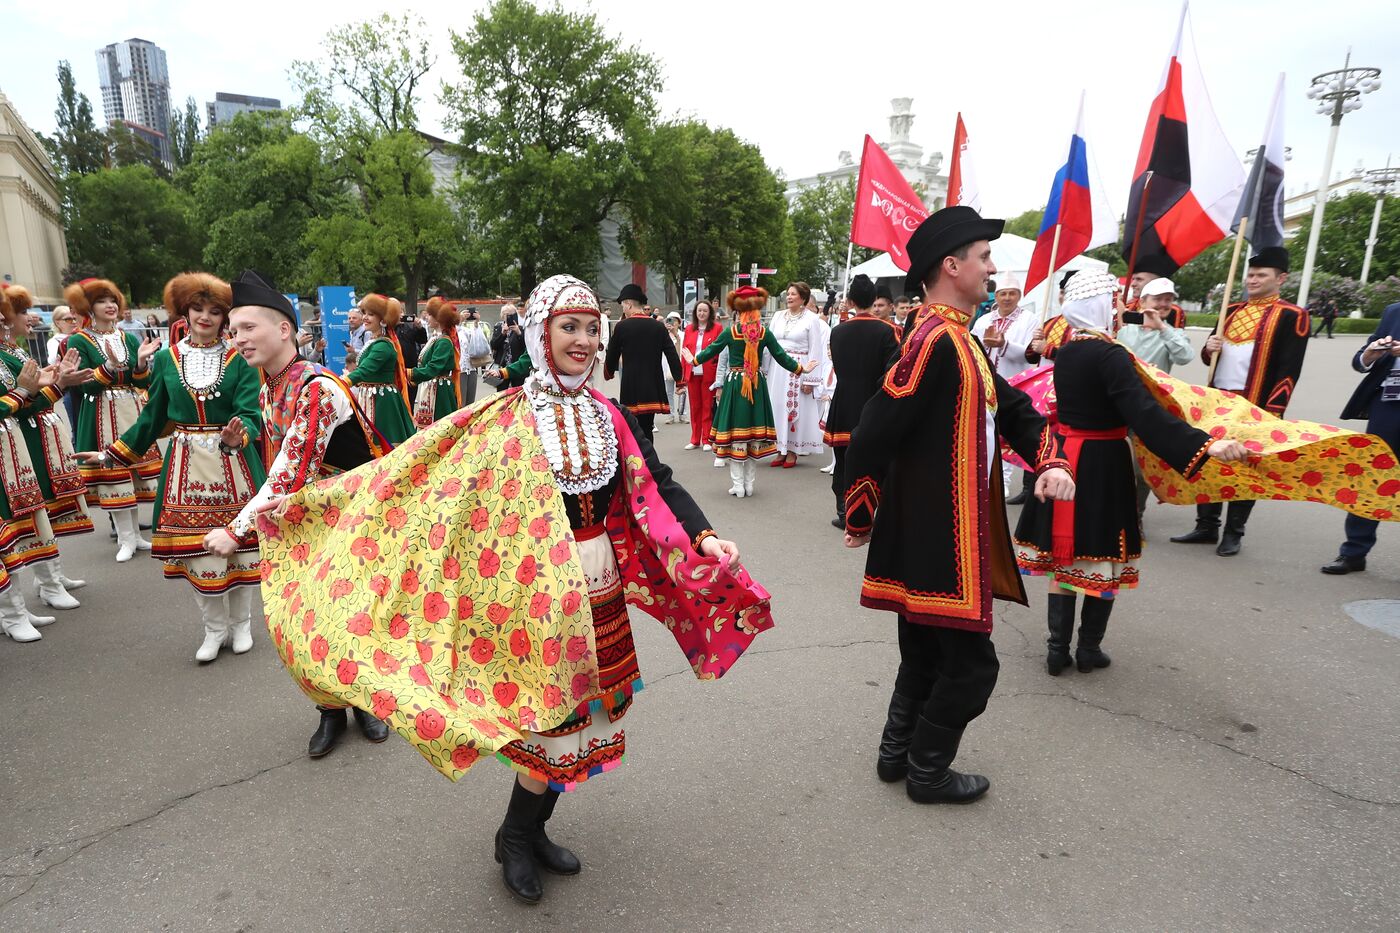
{"x":184,"y":134}
{"x":255,"y":186}
{"x":545,"y":107}
{"x":705,"y":199}
{"x":1341,"y":246}
{"x":125,"y":148}
{"x":1196,"y":280}
{"x":135,"y":226}
{"x":1026,"y":223}
{"x":78,"y":146}
{"x":821,"y":224}
{"x":361,"y":105}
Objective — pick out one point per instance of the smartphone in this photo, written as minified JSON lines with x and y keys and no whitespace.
{"x":1132,"y":317}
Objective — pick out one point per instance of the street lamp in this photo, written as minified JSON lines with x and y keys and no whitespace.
{"x":1380,"y":180}
{"x":1336,"y":92}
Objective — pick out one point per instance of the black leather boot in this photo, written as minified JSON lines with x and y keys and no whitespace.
{"x":1060,"y":610}
{"x":1202,"y":534}
{"x":893,"y":763}
{"x":551,"y":857}
{"x":514,"y":845}
{"x":1093,"y":623}
{"x":328,"y":733}
{"x":1344,"y":565}
{"x":931,"y":780}
{"x":1027,"y":487}
{"x":372,"y":727}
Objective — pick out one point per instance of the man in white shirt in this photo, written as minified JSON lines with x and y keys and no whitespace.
{"x":1006,"y":333}
{"x":474,"y":337}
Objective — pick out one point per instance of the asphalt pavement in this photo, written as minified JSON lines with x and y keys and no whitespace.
{"x":1237,"y":768}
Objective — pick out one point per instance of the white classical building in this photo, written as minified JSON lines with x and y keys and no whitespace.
{"x":33,"y":250}
{"x":922,"y":174}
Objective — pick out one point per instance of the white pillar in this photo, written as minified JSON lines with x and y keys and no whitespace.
{"x":1322,"y":189}
{"x":1371,"y":241}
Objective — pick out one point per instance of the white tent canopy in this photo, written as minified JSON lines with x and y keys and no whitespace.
{"x":1010,"y":253}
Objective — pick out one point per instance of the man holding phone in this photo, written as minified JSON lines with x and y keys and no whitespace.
{"x":508,"y":343}
{"x":1377,"y":399}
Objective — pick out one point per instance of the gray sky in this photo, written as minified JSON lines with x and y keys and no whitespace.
{"x":807,"y":80}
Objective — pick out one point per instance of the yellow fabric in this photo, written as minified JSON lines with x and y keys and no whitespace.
{"x":1300,"y":461}
{"x":447,"y":572}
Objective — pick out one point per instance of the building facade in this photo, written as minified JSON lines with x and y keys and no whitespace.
{"x":224,"y":107}
{"x":33,"y":250}
{"x":922,"y":174}
{"x":136,"y":90}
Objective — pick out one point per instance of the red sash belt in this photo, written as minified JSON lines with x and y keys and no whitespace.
{"x":1062,"y":525}
{"x":589,"y":532}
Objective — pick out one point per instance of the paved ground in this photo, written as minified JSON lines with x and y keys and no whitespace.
{"x":1235,"y":769}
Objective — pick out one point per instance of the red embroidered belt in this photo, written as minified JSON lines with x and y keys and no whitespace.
{"x":589,"y":532}
{"x":1062,"y":527}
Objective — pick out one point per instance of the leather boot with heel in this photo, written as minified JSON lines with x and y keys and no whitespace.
{"x":372,"y":727}
{"x":1060,"y":610}
{"x":328,"y":733}
{"x":1093,"y":623}
{"x":893,"y":762}
{"x":551,"y":856}
{"x":515,"y":845}
{"x":1201,"y":534}
{"x":931,"y":779}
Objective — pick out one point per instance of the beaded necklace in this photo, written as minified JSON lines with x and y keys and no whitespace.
{"x":577,"y":436}
{"x":115,"y":350}
{"x":201,"y":367}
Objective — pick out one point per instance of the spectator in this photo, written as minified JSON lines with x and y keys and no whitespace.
{"x":127,"y":322}
{"x":152,"y":331}
{"x":1327,"y":315}
{"x":508,"y":341}
{"x":474,"y":336}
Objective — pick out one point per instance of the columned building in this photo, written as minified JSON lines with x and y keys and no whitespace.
{"x":922,"y":174}
{"x":33,"y":250}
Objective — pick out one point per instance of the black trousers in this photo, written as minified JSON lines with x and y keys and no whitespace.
{"x":838,"y":479}
{"x":951,"y":670}
{"x":648,"y":425}
{"x":1235,"y":519}
{"x":1326,"y":322}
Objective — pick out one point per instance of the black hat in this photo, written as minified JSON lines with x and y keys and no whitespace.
{"x":943,"y":233}
{"x":1064,"y":279}
{"x":632,"y":292}
{"x":1270,"y":257}
{"x":861,"y":291}
{"x":1156,"y":264}
{"x":883,"y":291}
{"x":250,"y":288}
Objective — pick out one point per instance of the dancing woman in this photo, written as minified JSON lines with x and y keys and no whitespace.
{"x":379,"y":381}
{"x":436,"y":374}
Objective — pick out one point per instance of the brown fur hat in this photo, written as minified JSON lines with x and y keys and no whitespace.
{"x":191,"y":288}
{"x":446,"y":315}
{"x":748,"y":298}
{"x":80,"y":296}
{"x":7,"y":310}
{"x":393,"y":313}
{"x":435,"y":302}
{"x":387,"y":309}
{"x":17,"y":299}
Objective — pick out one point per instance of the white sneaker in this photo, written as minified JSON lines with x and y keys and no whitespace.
{"x":689,"y":446}
{"x":706,"y":447}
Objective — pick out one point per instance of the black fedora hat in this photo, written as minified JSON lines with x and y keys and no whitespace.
{"x":1156,"y":264}
{"x":942,"y":233}
{"x":1270,"y":257}
{"x":632,"y":292}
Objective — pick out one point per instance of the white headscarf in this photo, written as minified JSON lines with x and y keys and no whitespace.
{"x":1088,"y":301}
{"x":558,"y":294}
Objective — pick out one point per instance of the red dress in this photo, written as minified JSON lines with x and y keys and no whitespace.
{"x":702,"y":397}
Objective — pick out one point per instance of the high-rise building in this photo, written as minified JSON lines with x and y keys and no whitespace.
{"x":224,"y":106}
{"x":136,"y":89}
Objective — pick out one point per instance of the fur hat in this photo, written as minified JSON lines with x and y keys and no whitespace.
{"x":446,"y":315}
{"x":387,"y":309}
{"x":191,"y":288}
{"x":18,"y":298}
{"x":81,"y":295}
{"x":434,"y":303}
{"x":747,"y":298}
{"x":7,"y":311}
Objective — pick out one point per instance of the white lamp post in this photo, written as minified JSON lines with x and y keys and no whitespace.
{"x":1336,"y":92}
{"x":1380,"y":180}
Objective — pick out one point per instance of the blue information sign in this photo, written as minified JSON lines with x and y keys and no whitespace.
{"x":336,"y":302}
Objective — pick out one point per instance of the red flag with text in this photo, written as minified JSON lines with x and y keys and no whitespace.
{"x":887,"y":210}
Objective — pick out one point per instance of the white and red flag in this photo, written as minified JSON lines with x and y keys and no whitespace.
{"x":887,"y":210}
{"x":1191,"y":175}
{"x":962,"y":177}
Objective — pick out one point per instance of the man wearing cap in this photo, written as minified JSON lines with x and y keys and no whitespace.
{"x":1005,"y":333}
{"x":925,"y":494}
{"x":313,"y":430}
{"x":639,"y":344}
{"x":1147,"y":270}
{"x":862,"y":350}
{"x":1261,"y":357}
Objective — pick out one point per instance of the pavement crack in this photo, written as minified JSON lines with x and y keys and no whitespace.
{"x":1181,"y":730}
{"x":652,"y":682}
{"x":71,"y":848}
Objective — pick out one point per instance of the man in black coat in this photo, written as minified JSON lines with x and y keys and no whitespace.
{"x":508,"y":344}
{"x":862,"y":349}
{"x":639,"y":343}
{"x":1377,"y":399}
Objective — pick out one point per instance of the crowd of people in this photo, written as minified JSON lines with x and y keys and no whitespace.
{"x":460,"y":571}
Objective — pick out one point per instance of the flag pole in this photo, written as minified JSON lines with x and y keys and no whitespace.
{"x":1225,"y":298}
{"x":1050,"y":278}
{"x":846,"y":279}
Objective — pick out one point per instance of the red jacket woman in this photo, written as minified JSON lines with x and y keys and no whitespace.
{"x":702,"y":329}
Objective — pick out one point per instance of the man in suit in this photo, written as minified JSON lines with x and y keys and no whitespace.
{"x":1377,"y":399}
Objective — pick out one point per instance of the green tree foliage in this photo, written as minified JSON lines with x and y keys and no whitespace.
{"x":821,"y":225}
{"x":256,"y":184}
{"x":1196,"y":280}
{"x":184,"y":133}
{"x":1341,"y":247}
{"x":1026,"y":223}
{"x":133,"y":225}
{"x":361,"y":104}
{"x":545,"y":107}
{"x":706,"y":200}
{"x":78,"y":146}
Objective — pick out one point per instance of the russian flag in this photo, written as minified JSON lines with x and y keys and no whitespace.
{"x":1076,"y":207}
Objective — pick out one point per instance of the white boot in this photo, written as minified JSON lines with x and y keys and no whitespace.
{"x":68,"y":583}
{"x":736,"y":478}
{"x":14,"y":620}
{"x":240,"y":615}
{"x":141,"y":543}
{"x":128,"y":537}
{"x":17,"y":599}
{"x":215,"y":615}
{"x":51,"y":589}
{"x":750,"y":471}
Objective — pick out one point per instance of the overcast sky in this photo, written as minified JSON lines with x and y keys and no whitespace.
{"x":805,"y":84}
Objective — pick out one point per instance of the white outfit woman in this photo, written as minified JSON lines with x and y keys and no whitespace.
{"x":797,"y":415}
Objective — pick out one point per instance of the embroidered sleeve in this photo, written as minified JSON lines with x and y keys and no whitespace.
{"x":299,"y":460}
{"x":707,"y":533}
{"x":1198,"y":461}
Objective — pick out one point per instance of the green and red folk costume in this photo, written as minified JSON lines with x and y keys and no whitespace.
{"x":436,"y":376}
{"x":743,"y":421}
{"x":381,"y":389}
{"x":108,"y":407}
